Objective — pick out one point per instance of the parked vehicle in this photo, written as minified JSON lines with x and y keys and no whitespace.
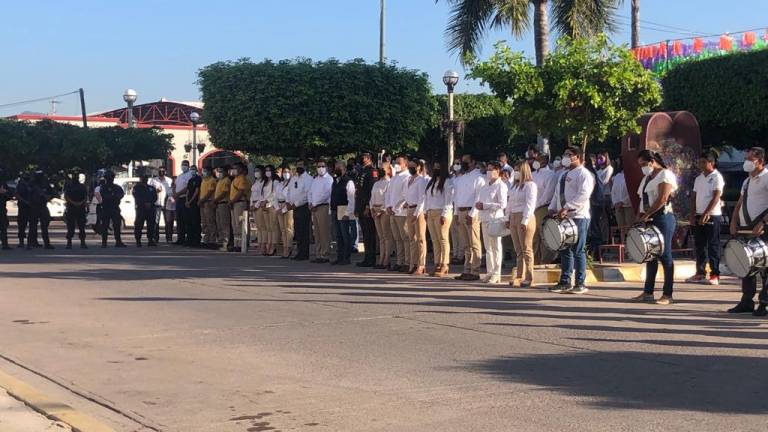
{"x":127,"y":204}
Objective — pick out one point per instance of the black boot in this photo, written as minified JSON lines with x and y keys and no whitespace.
{"x":69,"y":244}
{"x":743,"y":307}
{"x":761,"y":310}
{"x":83,"y":245}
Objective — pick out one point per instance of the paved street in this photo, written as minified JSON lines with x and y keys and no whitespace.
{"x":189,"y":340}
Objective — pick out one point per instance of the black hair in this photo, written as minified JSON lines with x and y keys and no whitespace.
{"x":438,"y":178}
{"x":573,"y":149}
{"x":496,"y":164}
{"x":648,"y":156}
{"x":710,"y":156}
{"x":758,"y":152}
{"x":532,"y":148}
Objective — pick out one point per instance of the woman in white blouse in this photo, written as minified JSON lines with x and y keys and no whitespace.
{"x":284,"y":214}
{"x":415,"y":195}
{"x":522,"y":223}
{"x":258,"y":206}
{"x":439,"y":206}
{"x":655,"y":192}
{"x":380,"y":215}
{"x":492,"y":202}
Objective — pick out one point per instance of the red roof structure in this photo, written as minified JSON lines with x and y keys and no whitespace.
{"x":162,"y":113}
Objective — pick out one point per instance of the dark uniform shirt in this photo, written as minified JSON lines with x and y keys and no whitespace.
{"x":22,"y":193}
{"x":4,"y":197}
{"x":75,"y":192}
{"x":364,"y":187}
{"x":111,"y":195}
{"x":144,"y":195}
{"x":194,"y":185}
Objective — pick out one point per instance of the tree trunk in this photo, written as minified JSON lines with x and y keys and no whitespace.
{"x":540,"y":30}
{"x":635,"y":23}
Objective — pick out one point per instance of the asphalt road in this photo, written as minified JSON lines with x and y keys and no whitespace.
{"x":185,"y":340}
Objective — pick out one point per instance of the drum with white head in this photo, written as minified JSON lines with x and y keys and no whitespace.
{"x":644,"y":243}
{"x":745,"y":257}
{"x":559,"y":234}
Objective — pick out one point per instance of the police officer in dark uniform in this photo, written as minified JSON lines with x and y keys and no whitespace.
{"x":76,"y":197}
{"x":111,"y":195}
{"x":363,"y":212}
{"x":144,"y":196}
{"x":40,"y":193}
{"x":4,"y":197}
{"x":22,"y":200}
{"x":192,"y":217}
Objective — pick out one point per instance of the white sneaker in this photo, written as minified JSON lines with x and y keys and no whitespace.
{"x":712,"y":280}
{"x":493,"y":280}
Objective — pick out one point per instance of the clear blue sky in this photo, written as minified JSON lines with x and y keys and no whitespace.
{"x":156,"y":47}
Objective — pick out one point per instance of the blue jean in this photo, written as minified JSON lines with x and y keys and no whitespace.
{"x":575,"y":254}
{"x":666,"y":223}
{"x":344,"y":236}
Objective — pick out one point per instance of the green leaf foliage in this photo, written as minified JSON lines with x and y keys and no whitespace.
{"x":303,"y":108}
{"x":727,"y":95}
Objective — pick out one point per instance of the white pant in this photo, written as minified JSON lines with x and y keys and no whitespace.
{"x":493,"y":253}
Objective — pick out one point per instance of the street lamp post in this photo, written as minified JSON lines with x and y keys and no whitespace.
{"x":194,"y":117}
{"x":450,"y":79}
{"x":129,"y":96}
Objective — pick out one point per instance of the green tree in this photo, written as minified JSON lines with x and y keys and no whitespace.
{"x":587,"y":90}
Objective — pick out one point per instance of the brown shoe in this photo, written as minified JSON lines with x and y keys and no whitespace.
{"x":644,"y":298}
{"x":443,"y":272}
{"x":664,"y":300}
{"x":419,"y":271}
{"x":404,"y":269}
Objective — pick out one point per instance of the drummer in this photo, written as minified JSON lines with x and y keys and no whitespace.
{"x":572,"y":192}
{"x":655,"y":191}
{"x":752,"y":211}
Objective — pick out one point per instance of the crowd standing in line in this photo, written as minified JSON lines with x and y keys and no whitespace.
{"x":465,"y":209}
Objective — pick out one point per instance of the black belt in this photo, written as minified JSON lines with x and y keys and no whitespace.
{"x":465,"y":208}
{"x":321,"y":205}
{"x":222,"y":202}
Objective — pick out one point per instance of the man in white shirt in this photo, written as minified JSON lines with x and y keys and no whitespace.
{"x":162,"y":185}
{"x":545,"y":180}
{"x":466,"y":194}
{"x":180,"y":196}
{"x":706,"y":218}
{"x":395,"y":204}
{"x":622,"y":205}
{"x":319,"y":199}
{"x":751,"y":211}
{"x":302,"y":217}
{"x":571,"y":199}
{"x":415,"y":199}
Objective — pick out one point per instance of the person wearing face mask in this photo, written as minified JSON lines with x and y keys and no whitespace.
{"x":162,"y":185}
{"x":545,"y":180}
{"x":342,"y":213}
{"x":395,"y":205}
{"x":144,"y":198}
{"x":111,"y":195}
{"x":504,"y":161}
{"x":180,"y":196}
{"x":269,"y":194}
{"x":415,"y":195}
{"x":75,"y":196}
{"x":302,"y":217}
{"x":384,"y":236}
{"x":439,"y":207}
{"x":319,"y":198}
{"x":457,"y":245}
{"x":238,"y":203}
{"x":751,"y":212}
{"x":192,"y":209}
{"x":523,"y":196}
{"x":208,"y":209}
{"x":221,"y":204}
{"x":571,"y":199}
{"x":491,"y":202}
{"x":283,"y":192}
{"x":706,"y":219}
{"x":170,"y":208}
{"x":258,"y":208}
{"x":655,"y":193}
{"x":622,"y":206}
{"x":466,"y":195}
{"x":364,"y":185}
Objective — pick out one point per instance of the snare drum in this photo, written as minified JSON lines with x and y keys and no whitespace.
{"x":644,"y":243}
{"x":559,"y":234}
{"x":746,"y":257}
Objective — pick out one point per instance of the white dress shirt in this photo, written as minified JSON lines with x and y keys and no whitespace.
{"x":437,"y":200}
{"x":257,"y":195}
{"x":619,"y":192}
{"x":467,"y":191}
{"x":665,"y":176}
{"x":268,"y":194}
{"x":164,"y":184}
{"x":415,"y":193}
{"x":705,"y":187}
{"x":350,"y":189}
{"x":546,"y":181}
{"x":182,"y":180}
{"x":757,"y":196}
{"x":320,"y":190}
{"x":300,"y":186}
{"x":395,"y":196}
{"x":523,"y":200}
{"x":494,"y":199}
{"x":378,"y":193}
{"x":579,"y":184}
{"x":604,"y":174}
{"x":283,"y":193}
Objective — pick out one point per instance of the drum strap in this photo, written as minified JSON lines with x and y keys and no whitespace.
{"x":562,"y":189}
{"x":647,"y":200}
{"x":744,"y":211}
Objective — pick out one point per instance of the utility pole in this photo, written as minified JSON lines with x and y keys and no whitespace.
{"x":381,"y":34}
{"x":82,"y":107}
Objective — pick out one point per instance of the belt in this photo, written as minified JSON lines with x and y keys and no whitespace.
{"x":222,"y":202}
{"x":413,"y":206}
{"x":377,"y":206}
{"x":281,"y":202}
{"x":542,"y":206}
{"x":321,"y":205}
{"x":465,"y":208}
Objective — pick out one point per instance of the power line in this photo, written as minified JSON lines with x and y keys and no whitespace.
{"x":660,"y":30}
{"x":663,"y":25}
{"x":47,"y":98}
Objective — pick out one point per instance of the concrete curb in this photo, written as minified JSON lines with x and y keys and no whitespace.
{"x":618,"y":273}
{"x":58,"y":411}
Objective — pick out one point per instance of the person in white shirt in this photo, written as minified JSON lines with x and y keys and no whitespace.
{"x":655,"y":192}
{"x":415,"y":195}
{"x":546,"y":180}
{"x":162,"y":185}
{"x":380,"y":216}
{"x":571,"y":199}
{"x":622,"y":205}
{"x":706,"y":219}
{"x":395,"y":205}
{"x":457,"y":244}
{"x":343,"y":213}
{"x":258,"y":208}
{"x":751,"y":212}
{"x":522,"y":222}
{"x":319,"y":199}
{"x":439,"y":207}
{"x":504,"y":161}
{"x":282,"y":207}
{"x":466,"y":195}
{"x":299,"y":204}
{"x":491,"y":202}
{"x":181,"y":202}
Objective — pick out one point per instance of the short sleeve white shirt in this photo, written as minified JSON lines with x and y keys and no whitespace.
{"x":705,"y":188}
{"x":757,"y":196}
{"x":665,"y":176}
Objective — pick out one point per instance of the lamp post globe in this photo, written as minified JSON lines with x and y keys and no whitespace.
{"x":450,"y":79}
{"x":194,"y":117}
{"x":129,"y":96}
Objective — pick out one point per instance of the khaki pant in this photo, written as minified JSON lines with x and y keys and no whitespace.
{"x":473,"y":252}
{"x":321,"y":225}
{"x":457,"y":241}
{"x":541,"y":253}
{"x":208,"y":218}
{"x":273,"y":229}
{"x":223,"y":223}
{"x":402,"y":244}
{"x":417,"y":228}
{"x":259,"y":217}
{"x":625,"y":216}
{"x":440,"y":234}
{"x":523,"y":242}
{"x":239,"y":217}
{"x":384,"y":237}
{"x":285,"y":223}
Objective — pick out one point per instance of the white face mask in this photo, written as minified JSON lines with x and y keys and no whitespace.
{"x":646,"y":170}
{"x":749,"y":166}
{"x":536,"y":165}
{"x":457,"y":168}
{"x":558,"y":162}
{"x":516,"y":175}
{"x":286,"y":176}
{"x":321,"y":171}
{"x":489,"y":175}
{"x":566,"y":162}
{"x":257,"y":174}
{"x":396,"y":168}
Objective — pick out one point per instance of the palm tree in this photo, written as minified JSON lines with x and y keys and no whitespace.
{"x":470,"y":19}
{"x":635,"y":23}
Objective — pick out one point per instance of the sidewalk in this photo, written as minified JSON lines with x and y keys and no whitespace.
{"x":17,"y":417}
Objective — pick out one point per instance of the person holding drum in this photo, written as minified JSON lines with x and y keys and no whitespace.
{"x":655,"y":208}
{"x":546,"y":180}
{"x":571,"y":201}
{"x":491,"y":202}
{"x":751,"y":211}
{"x":522,"y":222}
{"x":706,"y":218}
